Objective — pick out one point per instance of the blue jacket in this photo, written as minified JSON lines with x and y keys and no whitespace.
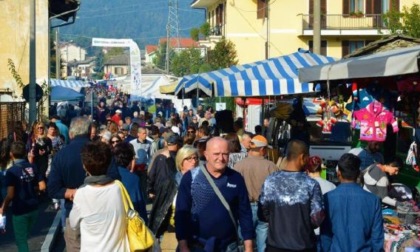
{"x":132,"y":183}
{"x":200,"y":213}
{"x":67,"y":170}
{"x":353,"y":222}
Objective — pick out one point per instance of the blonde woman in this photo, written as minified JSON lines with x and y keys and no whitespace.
{"x":186,"y":159}
{"x":39,"y":147}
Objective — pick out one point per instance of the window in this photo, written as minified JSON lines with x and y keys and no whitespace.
{"x":354,"y":45}
{"x":351,"y":46}
{"x":356,"y":5}
{"x":353,"y":6}
{"x":323,"y":47}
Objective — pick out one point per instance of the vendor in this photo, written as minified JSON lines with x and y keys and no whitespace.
{"x":375,"y":180}
{"x":369,"y":155}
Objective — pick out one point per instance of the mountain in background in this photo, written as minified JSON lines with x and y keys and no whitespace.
{"x":144,"y":21}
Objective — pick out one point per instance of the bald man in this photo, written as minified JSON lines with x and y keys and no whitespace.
{"x":202,"y":220}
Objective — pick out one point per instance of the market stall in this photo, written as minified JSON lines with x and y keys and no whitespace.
{"x":384,"y":108}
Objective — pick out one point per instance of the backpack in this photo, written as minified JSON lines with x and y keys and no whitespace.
{"x":29,"y":185}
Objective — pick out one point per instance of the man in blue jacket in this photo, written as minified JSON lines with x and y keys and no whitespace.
{"x":353,"y":219}
{"x":202,"y":221}
{"x":67,"y":174}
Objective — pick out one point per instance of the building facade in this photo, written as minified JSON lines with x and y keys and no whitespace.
{"x":267,"y":28}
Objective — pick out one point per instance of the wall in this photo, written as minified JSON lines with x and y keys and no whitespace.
{"x":15,"y":27}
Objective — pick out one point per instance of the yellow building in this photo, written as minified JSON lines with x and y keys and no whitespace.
{"x":268,"y":28}
{"x":16,"y":37}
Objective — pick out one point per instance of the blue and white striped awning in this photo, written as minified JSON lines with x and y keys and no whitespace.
{"x":275,"y":76}
{"x":73,"y":84}
{"x":203,"y":82}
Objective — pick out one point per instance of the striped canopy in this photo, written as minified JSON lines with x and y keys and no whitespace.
{"x":275,"y":76}
{"x":74,"y":84}
{"x":382,"y":64}
{"x":203,"y":82}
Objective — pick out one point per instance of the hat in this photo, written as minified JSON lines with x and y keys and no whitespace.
{"x":259,"y":141}
{"x":175,"y":129}
{"x":172,"y":139}
{"x":160,"y":113}
{"x":118,"y":111}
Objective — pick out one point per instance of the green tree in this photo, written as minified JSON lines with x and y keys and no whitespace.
{"x":160,"y":60}
{"x":195,"y":34}
{"x":406,"y":22}
{"x":114,"y":51}
{"x":223,"y":55}
{"x":187,"y":62}
{"x":99,"y":65}
{"x":205,"y":29}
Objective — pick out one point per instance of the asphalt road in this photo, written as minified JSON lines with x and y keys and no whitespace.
{"x":45,"y":219}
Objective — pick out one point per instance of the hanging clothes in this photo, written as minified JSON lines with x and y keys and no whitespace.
{"x":373,"y":121}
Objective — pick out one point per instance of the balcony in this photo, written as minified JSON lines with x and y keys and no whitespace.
{"x":346,"y":24}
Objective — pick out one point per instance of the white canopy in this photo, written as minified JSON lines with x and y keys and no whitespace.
{"x":389,"y":63}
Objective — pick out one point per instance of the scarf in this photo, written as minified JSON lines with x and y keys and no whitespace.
{"x":98,"y":180}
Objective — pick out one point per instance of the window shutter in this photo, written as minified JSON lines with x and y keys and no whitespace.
{"x":345,"y":48}
{"x":395,"y":5}
{"x":369,"y":7}
{"x":261,"y":6}
{"x":346,"y":7}
{"x":311,"y":6}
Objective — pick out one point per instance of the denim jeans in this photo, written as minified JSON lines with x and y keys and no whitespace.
{"x":261,"y":229}
{"x":22,"y":225}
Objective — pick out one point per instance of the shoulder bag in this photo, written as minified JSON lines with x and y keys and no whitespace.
{"x":225,"y":204}
{"x":139,"y":235}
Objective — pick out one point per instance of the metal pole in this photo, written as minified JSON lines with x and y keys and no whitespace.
{"x":57,"y":56}
{"x":32,"y":63}
{"x":317,"y":27}
{"x":267,"y":42}
{"x":91,"y":102}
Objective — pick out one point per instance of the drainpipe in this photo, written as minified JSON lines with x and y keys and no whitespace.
{"x":317,"y":27}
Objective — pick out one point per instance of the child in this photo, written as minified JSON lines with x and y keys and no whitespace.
{"x":23,"y":183}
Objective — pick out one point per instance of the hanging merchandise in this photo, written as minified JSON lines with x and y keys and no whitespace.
{"x":373,"y":121}
{"x":328,"y":120}
{"x":412,"y":156}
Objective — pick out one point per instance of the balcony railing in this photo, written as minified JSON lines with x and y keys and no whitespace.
{"x":346,"y":22}
{"x":217,"y":30}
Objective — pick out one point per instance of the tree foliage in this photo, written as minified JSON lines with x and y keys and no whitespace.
{"x":195,"y":34}
{"x":406,"y":22}
{"x":223,"y":55}
{"x":187,"y":62}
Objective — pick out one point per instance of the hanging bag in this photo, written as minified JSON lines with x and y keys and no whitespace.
{"x":241,"y":246}
{"x":139,"y":235}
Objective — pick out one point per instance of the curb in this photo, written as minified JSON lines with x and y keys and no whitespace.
{"x":52,"y":233}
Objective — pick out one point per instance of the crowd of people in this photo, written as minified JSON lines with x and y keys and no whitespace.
{"x":216,"y":190}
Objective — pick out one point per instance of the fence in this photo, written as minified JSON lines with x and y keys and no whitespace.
{"x":10,"y":114}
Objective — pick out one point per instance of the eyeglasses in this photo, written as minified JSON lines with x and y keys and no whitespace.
{"x":40,"y":128}
{"x":115,"y":141}
{"x":191,"y":131}
{"x":195,"y":158}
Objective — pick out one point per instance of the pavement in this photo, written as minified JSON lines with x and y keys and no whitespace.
{"x":42,"y":237}
{"x":56,"y":240}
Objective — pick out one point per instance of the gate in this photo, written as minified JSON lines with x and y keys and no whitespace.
{"x":10,"y":114}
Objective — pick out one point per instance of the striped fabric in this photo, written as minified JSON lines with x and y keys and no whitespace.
{"x":275,"y":76}
{"x":389,"y":63}
{"x":204,"y":81}
{"x":68,"y":83}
